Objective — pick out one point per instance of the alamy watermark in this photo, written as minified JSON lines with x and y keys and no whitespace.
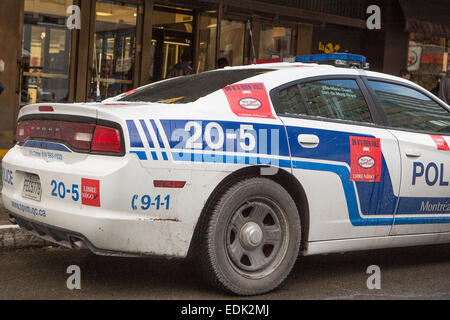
{"x":374,"y":20}
{"x":74,"y":20}
{"x":374,"y":280}
{"x":74,"y":280}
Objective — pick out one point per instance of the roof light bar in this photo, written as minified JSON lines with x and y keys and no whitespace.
{"x":346,"y":60}
{"x":343,"y":60}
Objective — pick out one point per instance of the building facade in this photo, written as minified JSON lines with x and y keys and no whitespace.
{"x":119,"y":45}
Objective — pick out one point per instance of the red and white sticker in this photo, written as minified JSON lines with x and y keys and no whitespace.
{"x":126,"y":94}
{"x":365,"y":162}
{"x":440,"y":142}
{"x":90,"y":192}
{"x":249,"y":100}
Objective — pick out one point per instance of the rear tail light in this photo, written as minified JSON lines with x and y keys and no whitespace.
{"x":85,"y":137}
{"x":106,"y":140}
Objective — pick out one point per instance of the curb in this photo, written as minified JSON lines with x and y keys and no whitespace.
{"x":13,"y":237}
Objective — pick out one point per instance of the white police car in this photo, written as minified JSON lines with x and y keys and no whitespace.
{"x":241,"y":168}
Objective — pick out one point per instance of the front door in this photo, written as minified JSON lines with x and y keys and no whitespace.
{"x":422,"y":127}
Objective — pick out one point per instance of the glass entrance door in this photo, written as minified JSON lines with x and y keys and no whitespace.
{"x":168,"y":48}
{"x":45,"y":52}
{"x":172,"y":40}
{"x":114,"y":49}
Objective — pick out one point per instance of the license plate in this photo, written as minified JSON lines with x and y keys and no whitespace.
{"x":32,"y":187}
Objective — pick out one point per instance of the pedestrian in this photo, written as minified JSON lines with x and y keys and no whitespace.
{"x":222,"y":63}
{"x":182,"y":68}
{"x":444,"y":90}
{"x":435,"y":90}
{"x":405,"y":74}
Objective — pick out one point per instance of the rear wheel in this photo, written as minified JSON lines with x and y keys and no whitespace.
{"x":252,"y":238}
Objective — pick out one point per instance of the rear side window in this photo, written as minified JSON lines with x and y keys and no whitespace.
{"x":291,"y":101}
{"x":334,"y":99}
{"x":409,"y":109}
{"x":193,"y":87}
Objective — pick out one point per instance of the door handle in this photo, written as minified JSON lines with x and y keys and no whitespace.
{"x":308,"y":140}
{"x":413,"y":153}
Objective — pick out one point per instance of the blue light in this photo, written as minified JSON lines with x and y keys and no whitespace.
{"x":331,"y":57}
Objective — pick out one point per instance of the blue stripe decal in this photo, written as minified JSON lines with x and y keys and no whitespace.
{"x":135,"y":139}
{"x":158,"y":135}
{"x":375,"y":198}
{"x":147,"y":133}
{"x":273,"y":134}
{"x":46,"y":145}
{"x":227,"y":159}
{"x":340,"y":170}
{"x":349,"y":191}
{"x":141,"y":154}
{"x":369,"y":204}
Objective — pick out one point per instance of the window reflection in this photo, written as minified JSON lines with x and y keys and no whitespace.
{"x":207,"y":38}
{"x":426,"y":60}
{"x":408,"y":108}
{"x":45,"y":52}
{"x":114,"y":50}
{"x":232,"y":42}
{"x":274,"y":42}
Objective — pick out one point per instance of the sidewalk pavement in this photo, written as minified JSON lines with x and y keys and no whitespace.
{"x":4,"y":217}
{"x":11,"y":236}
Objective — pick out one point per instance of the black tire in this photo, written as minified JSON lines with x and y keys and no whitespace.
{"x":238,"y":226}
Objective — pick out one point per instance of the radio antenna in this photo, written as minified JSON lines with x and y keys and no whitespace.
{"x":252,"y":42}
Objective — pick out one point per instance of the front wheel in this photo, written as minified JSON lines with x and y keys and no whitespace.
{"x":252,"y":238}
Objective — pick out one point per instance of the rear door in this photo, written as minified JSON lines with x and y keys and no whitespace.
{"x":422,"y":127}
{"x":348,"y":166}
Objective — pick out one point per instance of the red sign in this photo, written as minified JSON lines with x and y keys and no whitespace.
{"x":365,"y":162}
{"x":249,"y":100}
{"x":90,"y":192}
{"x":440,"y":142}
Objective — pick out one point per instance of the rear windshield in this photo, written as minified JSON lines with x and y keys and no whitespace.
{"x":191,"y":88}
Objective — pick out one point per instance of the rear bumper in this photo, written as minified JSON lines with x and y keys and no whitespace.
{"x":113,"y":228}
{"x":66,"y":238}
{"x":105,"y":236}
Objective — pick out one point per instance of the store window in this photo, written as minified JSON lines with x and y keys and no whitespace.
{"x":426,"y":59}
{"x":45,"y":52}
{"x":274,"y":42}
{"x":207,"y":38}
{"x":232,"y":42}
{"x":114,"y":49}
